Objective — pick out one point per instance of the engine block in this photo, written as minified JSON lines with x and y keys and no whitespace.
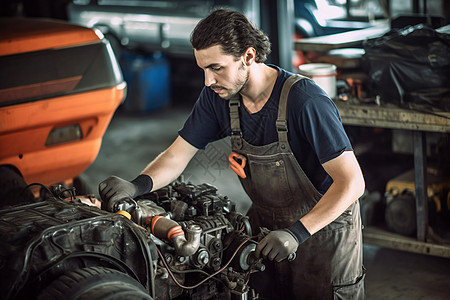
{"x":209,"y":257}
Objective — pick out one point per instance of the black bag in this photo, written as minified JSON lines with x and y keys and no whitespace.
{"x":410,"y":67}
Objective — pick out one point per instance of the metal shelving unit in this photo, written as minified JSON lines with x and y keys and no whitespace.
{"x":420,"y":123}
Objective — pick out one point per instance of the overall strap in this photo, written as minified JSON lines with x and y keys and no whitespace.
{"x":236,"y":134}
{"x":281,"y":122}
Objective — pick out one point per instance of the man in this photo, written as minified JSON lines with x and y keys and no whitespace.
{"x":301,"y":175}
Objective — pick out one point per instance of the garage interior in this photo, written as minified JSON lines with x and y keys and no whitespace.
{"x":163,"y":85}
{"x":391,"y":273}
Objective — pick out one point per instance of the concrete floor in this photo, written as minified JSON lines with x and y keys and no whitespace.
{"x":131,"y":141}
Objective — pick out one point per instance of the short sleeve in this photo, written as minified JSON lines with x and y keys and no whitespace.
{"x":322,"y":127}
{"x":318,"y":121}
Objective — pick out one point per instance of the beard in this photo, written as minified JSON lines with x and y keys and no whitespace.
{"x":240,"y":83}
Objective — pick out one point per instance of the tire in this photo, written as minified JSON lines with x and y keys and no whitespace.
{"x":94,"y":283}
{"x":401,"y":215}
{"x":13,"y":188}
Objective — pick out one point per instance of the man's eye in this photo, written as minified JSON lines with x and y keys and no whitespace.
{"x":216,"y":68}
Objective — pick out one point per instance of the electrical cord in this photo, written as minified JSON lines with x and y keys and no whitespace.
{"x":36,"y":184}
{"x":71,"y":192}
{"x":207,"y":278}
{"x":55,"y":193}
{"x":196,"y":271}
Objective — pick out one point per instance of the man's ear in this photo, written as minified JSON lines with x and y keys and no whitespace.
{"x":249,"y":56}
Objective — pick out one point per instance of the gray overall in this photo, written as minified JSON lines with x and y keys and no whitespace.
{"x":329,"y":265}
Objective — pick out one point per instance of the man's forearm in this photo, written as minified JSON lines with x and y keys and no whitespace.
{"x":167,"y":166}
{"x":348,"y":185}
{"x":163,"y":171}
{"x":333,"y":203}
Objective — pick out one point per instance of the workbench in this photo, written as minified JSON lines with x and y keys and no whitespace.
{"x":389,"y":116}
{"x":347,"y":39}
{"x":393,"y":117}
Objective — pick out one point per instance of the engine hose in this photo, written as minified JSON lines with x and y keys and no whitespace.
{"x":170,"y":230}
{"x":166,"y":229}
{"x":207,"y":278}
{"x":124,"y":213}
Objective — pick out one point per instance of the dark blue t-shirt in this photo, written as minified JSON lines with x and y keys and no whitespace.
{"x":315,"y":131}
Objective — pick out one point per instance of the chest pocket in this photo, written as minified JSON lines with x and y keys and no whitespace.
{"x":269,"y":182}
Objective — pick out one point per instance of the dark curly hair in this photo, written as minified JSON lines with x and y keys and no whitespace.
{"x":233,"y":31}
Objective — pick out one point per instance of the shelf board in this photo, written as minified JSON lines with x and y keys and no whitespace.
{"x":391,"y":116}
{"x":380,"y":237}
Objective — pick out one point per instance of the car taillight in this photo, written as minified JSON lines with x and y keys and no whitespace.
{"x":64,"y":134}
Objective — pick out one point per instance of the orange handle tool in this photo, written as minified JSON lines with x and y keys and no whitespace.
{"x":237,"y":163}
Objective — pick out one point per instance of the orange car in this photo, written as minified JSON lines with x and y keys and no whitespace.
{"x":60,"y":85}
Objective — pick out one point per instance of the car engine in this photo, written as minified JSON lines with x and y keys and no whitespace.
{"x":183,"y":241}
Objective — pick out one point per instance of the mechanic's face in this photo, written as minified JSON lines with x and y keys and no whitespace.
{"x":225,"y":75}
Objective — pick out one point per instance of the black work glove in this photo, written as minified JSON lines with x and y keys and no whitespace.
{"x":279,"y":244}
{"x":114,"y":189}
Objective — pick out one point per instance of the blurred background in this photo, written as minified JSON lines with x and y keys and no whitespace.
{"x":150,"y":40}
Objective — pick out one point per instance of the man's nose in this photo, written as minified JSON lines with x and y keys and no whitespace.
{"x":209,"y":78}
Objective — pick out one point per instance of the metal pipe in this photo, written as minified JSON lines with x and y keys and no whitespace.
{"x":168,"y":229}
{"x":188,"y":247}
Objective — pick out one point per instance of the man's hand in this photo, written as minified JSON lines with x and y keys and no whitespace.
{"x":114,"y":189}
{"x":280,"y":244}
{"x":277,"y":245}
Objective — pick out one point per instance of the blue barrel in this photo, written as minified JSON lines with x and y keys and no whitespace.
{"x":148,"y":79}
